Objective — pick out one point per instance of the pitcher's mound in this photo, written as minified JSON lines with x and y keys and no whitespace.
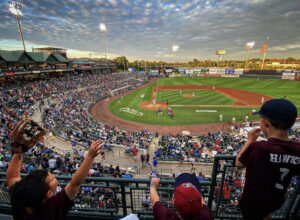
{"x":188,"y":96}
{"x":149,"y":105}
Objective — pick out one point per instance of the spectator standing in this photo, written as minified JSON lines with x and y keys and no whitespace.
{"x":187,"y":200}
{"x":33,"y":197}
{"x":148,"y":159}
{"x":154,"y":163}
{"x":192,"y":161}
{"x":134,"y":153}
{"x":270,"y":164}
{"x":143,"y":160}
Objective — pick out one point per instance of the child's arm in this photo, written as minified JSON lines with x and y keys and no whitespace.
{"x":252,"y":136}
{"x":13,"y":171}
{"x":153,"y":191}
{"x":80,"y":175}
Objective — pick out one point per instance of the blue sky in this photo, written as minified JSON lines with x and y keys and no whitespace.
{"x":145,"y":29}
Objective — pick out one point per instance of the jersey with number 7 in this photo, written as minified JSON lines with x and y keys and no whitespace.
{"x":270,"y":167}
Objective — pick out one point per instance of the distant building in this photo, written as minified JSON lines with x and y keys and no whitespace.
{"x":51,"y":50}
{"x":283,"y":66}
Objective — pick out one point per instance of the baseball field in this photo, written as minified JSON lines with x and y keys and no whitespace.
{"x":201,"y":100}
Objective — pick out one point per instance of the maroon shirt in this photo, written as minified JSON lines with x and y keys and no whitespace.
{"x":270,"y":167}
{"x":55,"y":208}
{"x":160,"y":212}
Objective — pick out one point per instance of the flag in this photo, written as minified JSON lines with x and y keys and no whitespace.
{"x":264,"y":47}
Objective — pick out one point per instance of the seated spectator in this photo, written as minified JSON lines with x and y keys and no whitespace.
{"x":157,"y":153}
{"x":187,"y":200}
{"x":201,"y":177}
{"x":127,"y":175}
{"x":146,"y":200}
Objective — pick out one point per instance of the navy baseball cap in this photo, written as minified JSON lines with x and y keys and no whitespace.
{"x":188,"y":178}
{"x":187,"y":196}
{"x":279,"y":109}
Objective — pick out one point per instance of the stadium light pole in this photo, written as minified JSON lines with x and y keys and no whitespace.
{"x":16,"y":9}
{"x":249,"y":47}
{"x":175,"y":48}
{"x":102,"y":28}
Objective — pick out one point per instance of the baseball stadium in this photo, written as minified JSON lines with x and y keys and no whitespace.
{"x":173,"y":131}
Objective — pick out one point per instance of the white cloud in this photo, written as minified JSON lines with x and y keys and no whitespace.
{"x":113,"y":2}
{"x":286,"y":47}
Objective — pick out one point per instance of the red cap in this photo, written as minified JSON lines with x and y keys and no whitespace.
{"x":188,"y":200}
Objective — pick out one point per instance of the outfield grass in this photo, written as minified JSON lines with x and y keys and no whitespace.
{"x":201,"y":97}
{"x":188,"y":115}
{"x":271,"y":87}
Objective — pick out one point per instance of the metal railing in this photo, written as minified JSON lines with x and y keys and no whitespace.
{"x":113,"y":198}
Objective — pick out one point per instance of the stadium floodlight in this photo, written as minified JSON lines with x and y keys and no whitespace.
{"x":175,"y":48}
{"x":16,"y":8}
{"x":102,"y":28}
{"x":249,"y":47}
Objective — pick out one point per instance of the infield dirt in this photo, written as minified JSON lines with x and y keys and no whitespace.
{"x":243,"y":98}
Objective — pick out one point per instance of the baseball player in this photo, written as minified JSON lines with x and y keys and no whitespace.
{"x":221,"y":117}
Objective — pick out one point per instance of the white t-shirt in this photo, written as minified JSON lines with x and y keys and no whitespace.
{"x":52,"y":163}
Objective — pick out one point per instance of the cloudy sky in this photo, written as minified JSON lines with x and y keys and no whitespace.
{"x":145,"y":29}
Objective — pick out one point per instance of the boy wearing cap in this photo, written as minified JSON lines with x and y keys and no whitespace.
{"x":270,"y":164}
{"x":187,"y":200}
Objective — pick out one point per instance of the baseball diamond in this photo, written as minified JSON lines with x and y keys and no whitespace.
{"x":196,"y":108}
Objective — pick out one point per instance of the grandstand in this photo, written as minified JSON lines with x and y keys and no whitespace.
{"x":116,"y":188}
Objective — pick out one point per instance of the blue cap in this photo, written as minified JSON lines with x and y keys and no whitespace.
{"x":280,"y":110}
{"x":188,"y":178}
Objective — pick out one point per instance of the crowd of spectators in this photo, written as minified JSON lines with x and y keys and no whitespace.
{"x":187,"y":149}
{"x":67,"y":115}
{"x":63,"y":102}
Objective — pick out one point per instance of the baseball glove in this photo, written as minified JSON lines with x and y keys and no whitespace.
{"x":25,"y":135}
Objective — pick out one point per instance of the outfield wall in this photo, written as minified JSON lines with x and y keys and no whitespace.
{"x":236,"y":73}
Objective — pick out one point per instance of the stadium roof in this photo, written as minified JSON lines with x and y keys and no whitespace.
{"x":39,"y":57}
{"x":11,"y":56}
{"x":21,"y":56}
{"x":60,"y":58}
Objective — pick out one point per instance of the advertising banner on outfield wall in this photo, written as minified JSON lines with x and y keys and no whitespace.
{"x":229,"y":71}
{"x":231,"y":75}
{"x":204,"y":70}
{"x":181,"y":70}
{"x":288,"y":77}
{"x":212,"y":75}
{"x":288,"y":73}
{"x":197,"y":70}
{"x":220,"y":71}
{"x":212,"y":71}
{"x":168,"y":70}
{"x":239,"y":71}
{"x":189,"y":71}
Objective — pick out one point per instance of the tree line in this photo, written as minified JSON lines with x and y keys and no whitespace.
{"x":255,"y":63}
